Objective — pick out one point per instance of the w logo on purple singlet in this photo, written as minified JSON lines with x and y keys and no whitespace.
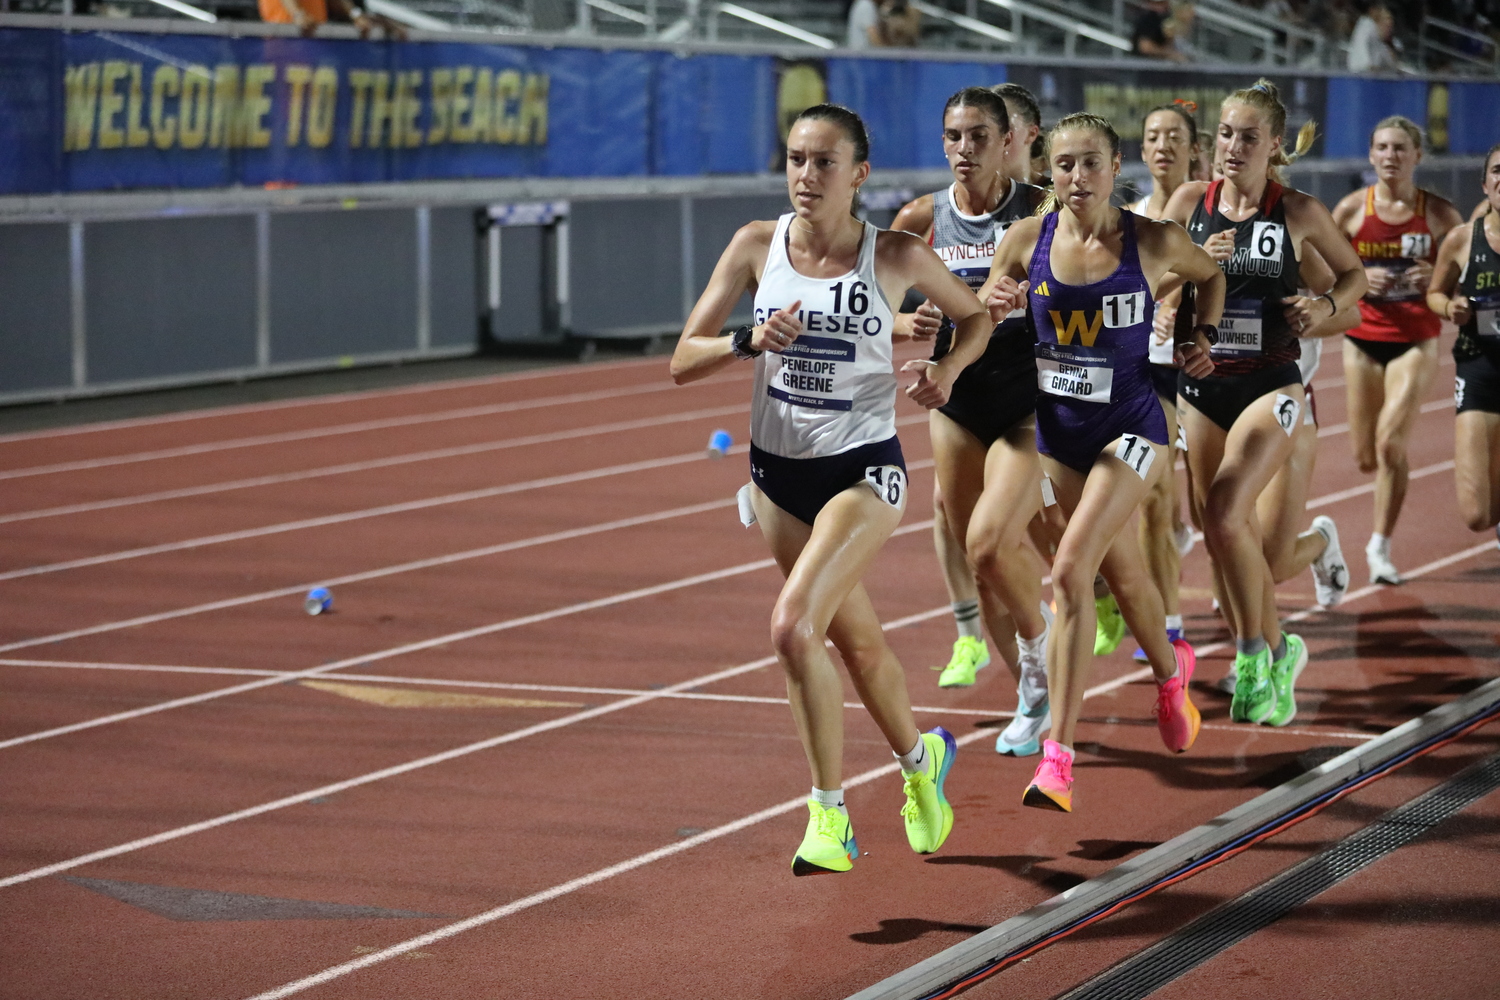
{"x":1078,"y":325}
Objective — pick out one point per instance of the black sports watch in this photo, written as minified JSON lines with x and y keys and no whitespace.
{"x":739,"y":342}
{"x":1209,"y":331}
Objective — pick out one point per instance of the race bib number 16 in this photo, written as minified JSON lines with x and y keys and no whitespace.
{"x":889,"y":484}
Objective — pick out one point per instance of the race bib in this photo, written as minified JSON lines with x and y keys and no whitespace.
{"x":1486,"y":316}
{"x":746,"y":505}
{"x":889,"y":484}
{"x":1401,"y":288}
{"x":1458,"y":392}
{"x":814,"y":372}
{"x":1135,"y":452}
{"x":1239,"y":330}
{"x":1074,"y":372}
{"x":1265,"y":241}
{"x":1416,"y":246}
{"x":1287,"y":409}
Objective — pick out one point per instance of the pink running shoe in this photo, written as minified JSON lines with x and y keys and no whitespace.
{"x":1176,"y":716}
{"x":1052,"y":786}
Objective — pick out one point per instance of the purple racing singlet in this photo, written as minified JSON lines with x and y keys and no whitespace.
{"x":1093,"y":372}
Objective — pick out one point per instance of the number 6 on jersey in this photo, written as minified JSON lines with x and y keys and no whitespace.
{"x":1135,"y":453}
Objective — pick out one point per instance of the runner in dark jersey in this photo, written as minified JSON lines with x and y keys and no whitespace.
{"x":1239,"y":423}
{"x":1093,"y":272}
{"x":1468,"y":264}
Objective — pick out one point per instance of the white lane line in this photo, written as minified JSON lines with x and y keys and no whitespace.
{"x":1432,"y":406}
{"x":457,"y":451}
{"x":413,"y":647}
{"x":345,"y":517}
{"x":1288,"y":731}
{"x":320,"y":400}
{"x":1354,"y":491}
{"x":333,"y":430}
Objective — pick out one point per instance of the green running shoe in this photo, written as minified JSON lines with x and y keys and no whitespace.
{"x":1284,"y":674}
{"x":828,"y":846}
{"x":1109,"y":631}
{"x":1254,"y":698}
{"x":927,"y":814}
{"x":970,"y":655}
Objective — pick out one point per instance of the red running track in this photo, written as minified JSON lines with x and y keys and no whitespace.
{"x":540,"y":739}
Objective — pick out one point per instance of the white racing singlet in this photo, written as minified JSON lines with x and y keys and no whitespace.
{"x":833,"y":388}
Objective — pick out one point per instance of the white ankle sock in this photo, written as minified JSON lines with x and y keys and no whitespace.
{"x":1065,"y":749}
{"x":915,"y":759}
{"x":830,"y":800}
{"x":1379,"y":543}
{"x":1031,"y":647}
{"x":1174,"y":621}
{"x":966,"y":617}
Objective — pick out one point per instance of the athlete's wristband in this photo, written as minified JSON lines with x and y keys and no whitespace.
{"x":1331,"y":304}
{"x":739,"y":343}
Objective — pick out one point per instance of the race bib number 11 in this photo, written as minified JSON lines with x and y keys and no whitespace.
{"x":1137,"y":453}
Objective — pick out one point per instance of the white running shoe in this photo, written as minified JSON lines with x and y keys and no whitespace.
{"x":1382,"y":570}
{"x":1185,"y":539}
{"x":1228,"y":681}
{"x":1022,"y":737}
{"x":1330,"y":572}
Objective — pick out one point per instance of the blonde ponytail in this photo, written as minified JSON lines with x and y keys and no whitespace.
{"x":1263,"y":96}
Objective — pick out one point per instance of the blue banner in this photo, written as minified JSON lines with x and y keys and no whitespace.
{"x":113,"y":110}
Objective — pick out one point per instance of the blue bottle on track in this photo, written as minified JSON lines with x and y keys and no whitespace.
{"x":318,"y":600}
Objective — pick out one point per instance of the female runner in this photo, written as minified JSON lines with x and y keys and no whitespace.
{"x":1390,"y":359}
{"x":1466,"y":290}
{"x":1169,"y":145}
{"x":1239,"y":423}
{"x":983,"y":439}
{"x":828,"y":477}
{"x":1092,"y":271}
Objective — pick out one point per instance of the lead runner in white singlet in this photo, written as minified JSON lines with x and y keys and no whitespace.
{"x":829,"y":480}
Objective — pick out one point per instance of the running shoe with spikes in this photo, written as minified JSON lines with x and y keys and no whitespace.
{"x":1254,"y":698}
{"x":1284,"y":674}
{"x":1109,"y":629}
{"x":828,"y":846}
{"x":1177,"y":718}
{"x":1022,"y":737}
{"x":1382,"y":570}
{"x":970,"y":655}
{"x":1330,"y":572}
{"x":1052,"y":785}
{"x":927,"y":814}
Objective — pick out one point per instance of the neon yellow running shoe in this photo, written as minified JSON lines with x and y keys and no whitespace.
{"x":970,"y":655}
{"x":828,"y":846}
{"x":1109,"y":631}
{"x":928,"y":816}
{"x":1284,"y":674}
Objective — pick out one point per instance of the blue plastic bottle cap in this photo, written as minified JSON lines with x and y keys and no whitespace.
{"x":719,"y":443}
{"x":318,"y":600}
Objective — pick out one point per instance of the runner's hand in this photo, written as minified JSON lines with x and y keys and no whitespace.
{"x":1459,"y":310}
{"x":1381,"y":279}
{"x":1302,"y":314}
{"x":1419,"y":275}
{"x":926,"y":321}
{"x":1006,"y":297}
{"x":779,"y":330}
{"x":1162,"y":324}
{"x":1193,"y":358}
{"x":1220,"y":246}
{"x":932,"y":387}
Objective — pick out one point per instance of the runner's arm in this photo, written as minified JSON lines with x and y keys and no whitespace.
{"x":702,"y":350}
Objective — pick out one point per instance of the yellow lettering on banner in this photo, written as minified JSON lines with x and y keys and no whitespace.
{"x":194,"y":107}
{"x":111,"y":103}
{"x":137,"y":134}
{"x":461,"y":125}
{"x":484,"y":97}
{"x":256,"y":104}
{"x":1078,"y":325}
{"x":442,"y":106}
{"x":504,"y":121}
{"x":82,"y":84}
{"x":165,"y":82}
{"x":359,"y":83}
{"x":381,"y":109}
{"x":408,"y":107}
{"x":227,"y":127}
{"x":534,"y":111}
{"x":298,"y":76}
{"x":323,"y":107}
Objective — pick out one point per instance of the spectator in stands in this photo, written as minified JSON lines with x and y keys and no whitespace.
{"x":900,"y":25}
{"x":864,"y":25}
{"x":1370,"y":49}
{"x":308,"y":14}
{"x":1179,"y":29}
{"x":1149,"y":37}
